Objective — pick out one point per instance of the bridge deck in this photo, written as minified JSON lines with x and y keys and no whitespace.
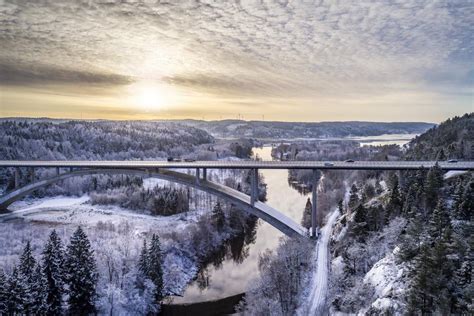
{"x":245,"y":164}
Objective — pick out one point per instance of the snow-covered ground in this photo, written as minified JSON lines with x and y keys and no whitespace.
{"x":316,"y":303}
{"x":387,"y":279}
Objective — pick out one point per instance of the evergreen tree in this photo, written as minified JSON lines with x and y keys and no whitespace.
{"x":395,"y":201}
{"x":368,"y":193}
{"x":27,"y":262}
{"x":53,"y":261}
{"x":411,"y":241}
{"x":439,"y":221}
{"x":3,"y":293}
{"x":143,"y":261}
{"x":464,"y":288}
{"x":155,"y":267}
{"x":360,"y":228}
{"x":16,"y":288}
{"x":81,"y":274}
{"x":26,"y":269}
{"x":467,"y":206}
{"x":458,"y":199}
{"x":354,"y":197}
{"x":218,"y":217}
{"x":340,"y":206}
{"x":434,"y":182}
{"x":306,"y":220}
{"x":39,"y":291}
{"x":420,"y":296}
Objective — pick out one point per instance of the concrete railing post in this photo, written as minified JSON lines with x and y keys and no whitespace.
{"x":314,"y":205}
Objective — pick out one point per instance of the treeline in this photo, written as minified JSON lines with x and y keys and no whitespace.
{"x":65,"y":279}
{"x":157,"y":201}
{"x":452,"y":139}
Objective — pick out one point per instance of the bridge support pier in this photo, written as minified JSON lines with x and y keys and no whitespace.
{"x":204,"y":174}
{"x":57,"y":171}
{"x":31,"y":174}
{"x":198,"y":175}
{"x":17,"y":178}
{"x":253,"y":186}
{"x":314,"y":205}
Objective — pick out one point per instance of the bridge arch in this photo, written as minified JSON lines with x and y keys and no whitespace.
{"x":243,"y":201}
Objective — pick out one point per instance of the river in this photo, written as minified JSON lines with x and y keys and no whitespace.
{"x":232,"y":278}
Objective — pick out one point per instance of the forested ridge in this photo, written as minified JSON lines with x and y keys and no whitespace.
{"x":407,"y":248}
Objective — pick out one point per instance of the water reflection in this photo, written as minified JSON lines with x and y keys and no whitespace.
{"x":232,"y":275}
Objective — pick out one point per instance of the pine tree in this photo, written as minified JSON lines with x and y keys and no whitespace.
{"x":464,"y":289}
{"x":354,"y":197}
{"x":306,"y":220}
{"x":360,"y":228}
{"x":27,"y":261}
{"x":411,"y":241}
{"x":16,"y":287}
{"x":467,"y":206}
{"x":155,"y":267}
{"x":340,"y":206}
{"x":218,"y":217}
{"x":143,"y":261}
{"x":81,"y":274}
{"x":420,"y":295}
{"x":26,"y":269}
{"x":439,"y":221}
{"x":39,"y":292}
{"x":434,"y":182}
{"x":395,"y":201}
{"x":458,"y":199}
{"x":3,"y":293}
{"x":53,"y":271}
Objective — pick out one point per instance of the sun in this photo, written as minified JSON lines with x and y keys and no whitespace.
{"x":150,"y":96}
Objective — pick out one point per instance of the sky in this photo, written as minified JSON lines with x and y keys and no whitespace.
{"x":255,"y":60}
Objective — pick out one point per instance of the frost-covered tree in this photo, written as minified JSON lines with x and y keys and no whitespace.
{"x":26,"y":270}
{"x":81,"y":274}
{"x":155,"y":267}
{"x":439,"y":221}
{"x":53,"y":271}
{"x":39,"y":289}
{"x":3,"y":293}
{"x":17,"y":289}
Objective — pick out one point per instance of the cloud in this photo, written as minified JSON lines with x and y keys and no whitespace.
{"x":45,"y":75}
{"x":320,"y":50}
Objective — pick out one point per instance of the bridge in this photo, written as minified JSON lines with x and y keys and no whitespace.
{"x":164,"y":170}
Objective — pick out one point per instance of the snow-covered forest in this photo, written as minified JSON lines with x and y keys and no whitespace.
{"x":402,"y":243}
{"x":119,"y":213}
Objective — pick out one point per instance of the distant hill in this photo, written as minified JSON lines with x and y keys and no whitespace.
{"x":451,"y":139}
{"x":291,"y":130}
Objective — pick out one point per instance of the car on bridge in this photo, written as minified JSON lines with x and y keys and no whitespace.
{"x":452,"y":160}
{"x":349,"y":160}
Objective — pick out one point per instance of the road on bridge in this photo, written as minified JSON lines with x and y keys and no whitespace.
{"x":245,"y":164}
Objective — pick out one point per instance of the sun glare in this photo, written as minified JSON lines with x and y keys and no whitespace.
{"x":151,"y":97}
